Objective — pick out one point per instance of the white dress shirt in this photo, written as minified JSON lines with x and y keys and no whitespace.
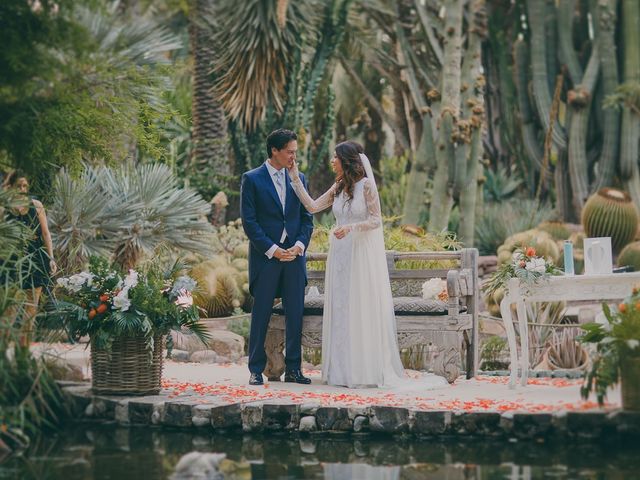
{"x":281,"y":190}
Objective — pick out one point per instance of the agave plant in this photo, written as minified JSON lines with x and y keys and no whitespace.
{"x":499,"y":184}
{"x":501,"y":220}
{"x":126,"y":214}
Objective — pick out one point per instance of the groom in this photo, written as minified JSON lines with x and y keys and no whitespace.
{"x":279,"y":230}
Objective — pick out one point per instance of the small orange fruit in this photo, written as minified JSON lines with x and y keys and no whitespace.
{"x":92,"y":313}
{"x":622,"y":307}
{"x":104,"y":297}
{"x":102,"y":308}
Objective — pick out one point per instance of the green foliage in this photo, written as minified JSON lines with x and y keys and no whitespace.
{"x":616,"y":342}
{"x":79,"y":84}
{"x":125,"y":213}
{"x":492,"y":353}
{"x":501,"y":220}
{"x":525,"y":265}
{"x":105,"y":304}
{"x":398,"y":239}
{"x":393,"y":171}
{"x":500,"y":184}
{"x":30,"y":399}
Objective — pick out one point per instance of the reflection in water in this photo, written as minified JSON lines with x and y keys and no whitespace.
{"x":90,"y":452}
{"x":348,"y":471}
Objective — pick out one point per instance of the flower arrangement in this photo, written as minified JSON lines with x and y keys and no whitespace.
{"x":435,"y":289}
{"x":104,"y":303}
{"x":526,"y":265}
{"x":617,"y":352}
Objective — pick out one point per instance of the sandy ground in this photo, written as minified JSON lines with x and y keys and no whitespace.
{"x":227,"y":383}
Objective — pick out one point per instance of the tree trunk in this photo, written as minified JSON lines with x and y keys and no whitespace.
{"x":210,"y":151}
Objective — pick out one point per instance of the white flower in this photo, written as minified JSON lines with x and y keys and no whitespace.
{"x":131,"y":280}
{"x":74,"y":283}
{"x":536,"y":265}
{"x":184,"y":299}
{"x":432,"y":288}
{"x":633,"y":344}
{"x":121,"y":300}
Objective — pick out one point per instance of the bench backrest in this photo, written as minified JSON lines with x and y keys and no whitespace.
{"x":407,"y":282}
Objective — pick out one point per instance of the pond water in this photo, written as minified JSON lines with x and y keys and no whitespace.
{"x":90,"y":452}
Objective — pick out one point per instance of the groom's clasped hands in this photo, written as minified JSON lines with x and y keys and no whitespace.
{"x":287,"y":255}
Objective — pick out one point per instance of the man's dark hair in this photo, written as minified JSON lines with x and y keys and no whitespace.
{"x":278,"y":139}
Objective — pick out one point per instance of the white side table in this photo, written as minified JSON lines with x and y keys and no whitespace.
{"x":612,"y":286}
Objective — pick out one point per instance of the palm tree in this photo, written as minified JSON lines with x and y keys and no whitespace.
{"x":210,"y":145}
{"x":125,"y":214}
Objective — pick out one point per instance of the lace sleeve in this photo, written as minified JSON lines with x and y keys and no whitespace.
{"x":313,"y":206}
{"x":373,"y":207}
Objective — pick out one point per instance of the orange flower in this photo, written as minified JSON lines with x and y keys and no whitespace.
{"x":622,"y":307}
{"x":104,"y":297}
{"x":635,"y":290}
{"x":637,"y":305}
{"x":102,"y":308}
{"x":530,"y":252}
{"x":92,"y":313}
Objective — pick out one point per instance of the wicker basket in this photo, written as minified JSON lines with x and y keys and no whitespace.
{"x":126,"y":369}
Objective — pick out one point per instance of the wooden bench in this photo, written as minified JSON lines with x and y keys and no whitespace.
{"x":453,"y":332}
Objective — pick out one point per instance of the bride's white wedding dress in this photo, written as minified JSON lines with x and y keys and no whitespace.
{"x":359,"y":344}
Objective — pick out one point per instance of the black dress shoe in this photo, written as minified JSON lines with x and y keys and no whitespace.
{"x":296,"y":376}
{"x":256,"y":379}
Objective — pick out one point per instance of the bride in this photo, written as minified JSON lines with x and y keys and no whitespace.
{"x":359,"y":344}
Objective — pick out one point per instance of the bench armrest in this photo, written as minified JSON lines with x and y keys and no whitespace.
{"x":453,"y":290}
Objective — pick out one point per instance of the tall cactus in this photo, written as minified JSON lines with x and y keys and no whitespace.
{"x":588,"y":139}
{"x":473,"y":111}
{"x":442,"y":198}
{"x":630,"y":129}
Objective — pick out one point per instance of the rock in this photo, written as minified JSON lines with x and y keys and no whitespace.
{"x":180,"y":355}
{"x":431,"y":423}
{"x":531,"y":425}
{"x":199,"y":465}
{"x":280,"y":417}
{"x":226,"y":343}
{"x":389,"y":419}
{"x":177,"y":415}
{"x":308,"y":424}
{"x":226,"y":416}
{"x":476,"y":423}
{"x":332,"y":418}
{"x":186,"y":341}
{"x":360,"y":424}
{"x":307,"y":446}
{"x":204,"y":356}
{"x":222,"y":359}
{"x":222,"y":342}
{"x":251,"y":418}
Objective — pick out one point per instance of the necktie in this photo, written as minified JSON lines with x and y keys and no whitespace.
{"x":280,"y":185}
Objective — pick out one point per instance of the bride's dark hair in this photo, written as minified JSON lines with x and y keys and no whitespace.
{"x":352,"y":169}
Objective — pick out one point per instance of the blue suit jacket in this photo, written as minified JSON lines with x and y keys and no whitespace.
{"x":263,"y":219}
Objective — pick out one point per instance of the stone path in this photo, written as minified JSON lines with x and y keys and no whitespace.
{"x":217,"y":396}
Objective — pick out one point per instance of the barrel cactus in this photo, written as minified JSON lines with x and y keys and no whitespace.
{"x":544,"y":244}
{"x":610,"y":213}
{"x":558,"y":230}
{"x":220,"y":288}
{"x":630,"y":255}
